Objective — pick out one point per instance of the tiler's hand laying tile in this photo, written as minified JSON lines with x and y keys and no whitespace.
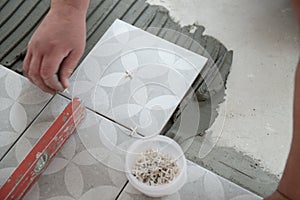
{"x":57,"y":45}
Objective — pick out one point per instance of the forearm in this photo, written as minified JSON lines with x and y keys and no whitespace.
{"x":296,"y":5}
{"x":290,"y":182}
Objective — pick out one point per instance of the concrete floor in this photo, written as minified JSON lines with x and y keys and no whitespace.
{"x":258,"y":105}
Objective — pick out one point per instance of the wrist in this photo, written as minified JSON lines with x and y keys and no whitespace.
{"x":70,"y":7}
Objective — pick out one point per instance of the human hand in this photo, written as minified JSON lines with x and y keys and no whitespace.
{"x":55,"y":48}
{"x":276,"y":196}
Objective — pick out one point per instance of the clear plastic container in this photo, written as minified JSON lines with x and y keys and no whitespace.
{"x":164,"y":145}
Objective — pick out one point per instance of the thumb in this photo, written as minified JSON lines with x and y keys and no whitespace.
{"x":67,"y":67}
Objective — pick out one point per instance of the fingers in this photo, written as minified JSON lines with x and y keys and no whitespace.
{"x":49,"y":68}
{"x":33,"y":73}
{"x":67,"y":67}
{"x":26,"y":62}
{"x":42,"y":70}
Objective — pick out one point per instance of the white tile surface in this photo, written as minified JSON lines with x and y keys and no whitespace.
{"x":201,"y":184}
{"x":20,"y":102}
{"x":135,"y":78}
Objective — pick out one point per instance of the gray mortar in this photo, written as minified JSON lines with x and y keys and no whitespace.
{"x":236,"y":167}
{"x":226,"y":162}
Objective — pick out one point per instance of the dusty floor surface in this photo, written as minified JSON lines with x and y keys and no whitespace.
{"x":255,"y":120}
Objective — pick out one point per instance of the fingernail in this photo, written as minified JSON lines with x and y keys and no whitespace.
{"x":61,"y":88}
{"x":67,"y":83}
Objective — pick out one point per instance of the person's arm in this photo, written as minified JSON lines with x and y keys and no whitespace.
{"x":57,"y":45}
{"x":290,"y":182}
{"x":289,"y":186}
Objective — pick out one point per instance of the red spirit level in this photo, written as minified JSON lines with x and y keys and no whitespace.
{"x":29,"y":170}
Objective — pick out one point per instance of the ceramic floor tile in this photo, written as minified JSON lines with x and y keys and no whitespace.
{"x":89,"y":165}
{"x":135,"y":78}
{"x":201,"y":184}
{"x":20,"y":102}
{"x":30,"y":137}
